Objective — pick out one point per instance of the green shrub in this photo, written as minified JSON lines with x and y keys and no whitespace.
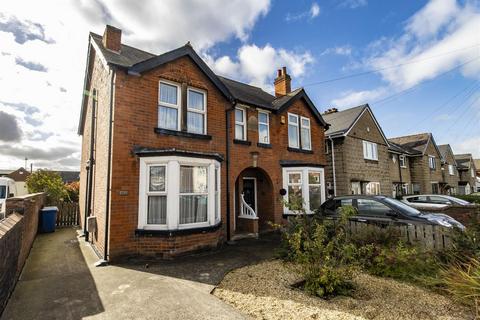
{"x":49,"y":182}
{"x":473,"y":198}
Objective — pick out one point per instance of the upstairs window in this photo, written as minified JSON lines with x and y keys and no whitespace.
{"x":169,"y":106}
{"x":370,"y":151}
{"x":450,"y":170}
{"x":240,"y":124}
{"x":306,"y":136}
{"x":293,"y":136}
{"x":196,"y":112}
{"x":431,"y":162}
{"x":263,"y":127}
{"x":403,"y":161}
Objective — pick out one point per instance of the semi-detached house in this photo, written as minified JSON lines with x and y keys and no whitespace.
{"x":176,"y":158}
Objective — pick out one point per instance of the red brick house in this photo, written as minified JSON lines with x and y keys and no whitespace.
{"x":176,"y":158}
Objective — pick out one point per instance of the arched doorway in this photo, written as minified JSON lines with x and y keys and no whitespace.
{"x":254,"y":201}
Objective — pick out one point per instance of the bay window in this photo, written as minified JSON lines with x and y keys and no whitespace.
{"x":306,"y":183}
{"x":178,"y":193}
{"x":169,"y":106}
{"x":196,"y":111}
{"x":263,"y":127}
{"x":240,"y":124}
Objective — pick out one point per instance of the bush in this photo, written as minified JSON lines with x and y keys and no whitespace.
{"x":73,"y":190}
{"x":49,"y":182}
{"x":317,"y":247}
{"x":470,"y":198}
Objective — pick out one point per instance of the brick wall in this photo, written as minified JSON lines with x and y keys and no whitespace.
{"x":136,"y":116}
{"x":17,"y":233}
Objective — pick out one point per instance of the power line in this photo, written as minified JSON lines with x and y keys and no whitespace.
{"x":386,"y":68}
{"x":463,"y":113}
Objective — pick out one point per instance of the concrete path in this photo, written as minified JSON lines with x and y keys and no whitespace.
{"x":59,"y":281}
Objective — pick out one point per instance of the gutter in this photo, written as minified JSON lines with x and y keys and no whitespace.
{"x":104,"y":261}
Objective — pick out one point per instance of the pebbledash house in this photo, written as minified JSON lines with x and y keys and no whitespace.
{"x":176,"y":158}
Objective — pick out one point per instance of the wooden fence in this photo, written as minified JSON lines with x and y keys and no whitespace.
{"x":68,"y":214}
{"x":429,"y":237}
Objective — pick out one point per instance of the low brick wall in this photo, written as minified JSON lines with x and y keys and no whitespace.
{"x":17,"y":233}
{"x":463,"y":214}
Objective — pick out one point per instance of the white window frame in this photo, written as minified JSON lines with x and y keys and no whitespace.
{"x":172,"y":187}
{"x":305,"y":186}
{"x":451,"y":171}
{"x":155,"y":193}
{"x":207,"y":193}
{"x":309,"y":132}
{"x":432,"y":163}
{"x":177,"y":106}
{"x":297,"y":125}
{"x":404,"y":187}
{"x":375,"y":185}
{"x":370,"y":146}
{"x":402,"y":161}
{"x":241,"y":123}
{"x":265,"y":124}
{"x":204,"y":112}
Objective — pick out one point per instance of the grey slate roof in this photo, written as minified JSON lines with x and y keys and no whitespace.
{"x":463,"y":161}
{"x":341,"y":121}
{"x":413,"y":144}
{"x":247,"y":93}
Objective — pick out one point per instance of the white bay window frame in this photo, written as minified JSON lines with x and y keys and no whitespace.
{"x":170,"y":105}
{"x":172,"y":187}
{"x":304,"y":185}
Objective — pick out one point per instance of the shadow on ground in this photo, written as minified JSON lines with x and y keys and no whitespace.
{"x":56,"y":282}
{"x":211,"y":266}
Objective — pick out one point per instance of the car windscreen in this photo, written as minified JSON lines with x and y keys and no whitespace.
{"x":3,"y":192}
{"x":405,"y":208}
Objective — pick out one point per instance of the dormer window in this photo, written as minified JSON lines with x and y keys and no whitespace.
{"x":169,"y":106}
{"x":196,"y":111}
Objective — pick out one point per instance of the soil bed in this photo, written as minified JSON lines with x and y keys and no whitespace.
{"x":264,"y":291}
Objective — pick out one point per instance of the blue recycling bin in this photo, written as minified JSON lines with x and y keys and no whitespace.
{"x":48,"y":218}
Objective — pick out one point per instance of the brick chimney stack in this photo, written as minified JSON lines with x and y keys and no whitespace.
{"x":331,"y":110}
{"x":112,"y":38}
{"x":282,"y":83}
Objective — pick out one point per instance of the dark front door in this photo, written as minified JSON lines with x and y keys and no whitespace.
{"x":249,"y":192}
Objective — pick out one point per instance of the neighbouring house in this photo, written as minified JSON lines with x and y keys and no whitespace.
{"x":20,"y":177}
{"x":69,"y":176}
{"x":357,"y":153}
{"x":176,"y":158}
{"x":449,"y":170}
{"x":424,"y":162}
{"x":476,"y":162}
{"x":467,"y":173}
{"x":400,"y":166}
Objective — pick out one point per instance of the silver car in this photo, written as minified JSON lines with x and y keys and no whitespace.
{"x":434,"y":201}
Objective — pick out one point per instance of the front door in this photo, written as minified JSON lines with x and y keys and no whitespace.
{"x":249,"y":192}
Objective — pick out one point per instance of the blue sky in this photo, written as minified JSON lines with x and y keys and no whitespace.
{"x":421,"y":59}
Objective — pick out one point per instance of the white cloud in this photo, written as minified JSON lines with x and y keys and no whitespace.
{"x":257,"y":65}
{"x":46,"y":105}
{"x":437,"y":38}
{"x":309,"y":14}
{"x":353,"y":98}
{"x":353,"y":4}
{"x":443,"y":117}
{"x":345,"y":50}
{"x":468,"y":145}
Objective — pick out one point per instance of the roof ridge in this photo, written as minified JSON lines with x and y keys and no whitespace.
{"x":411,"y":135}
{"x":126,"y":45}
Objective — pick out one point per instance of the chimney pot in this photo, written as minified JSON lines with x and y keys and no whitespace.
{"x":282,"y":83}
{"x":112,"y":38}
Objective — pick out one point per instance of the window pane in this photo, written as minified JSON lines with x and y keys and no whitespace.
{"x":157,"y":210}
{"x":157,"y":178}
{"x":314,"y":177}
{"x":263,"y":117}
{"x":292,"y":136}
{"x":292,"y":119}
{"x":294,"y":192}
{"x":239,"y":133}
{"x":168,"y":93}
{"x":195,"y":100}
{"x":294,"y":178}
{"x":193,"y":179}
{"x":238,"y":115}
{"x":263,"y":133}
{"x":195,"y":122}
{"x":306,"y":139}
{"x":193,"y":209}
{"x":315,"y":197}
{"x":305,"y":123}
{"x":167,"y":118}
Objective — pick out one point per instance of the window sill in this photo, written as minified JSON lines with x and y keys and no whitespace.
{"x":244,"y":142}
{"x":264,"y":145}
{"x":371,"y":160}
{"x":177,"y":232}
{"x":299,"y":150}
{"x":182,"y":134}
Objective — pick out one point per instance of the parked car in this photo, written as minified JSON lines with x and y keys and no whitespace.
{"x":383,"y":211}
{"x":7,"y":190}
{"x":433,"y":201}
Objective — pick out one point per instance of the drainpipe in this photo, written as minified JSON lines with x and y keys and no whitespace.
{"x":400,"y":175}
{"x":227,"y":163}
{"x":104,"y":261}
{"x":91,"y":161}
{"x":333,"y":168}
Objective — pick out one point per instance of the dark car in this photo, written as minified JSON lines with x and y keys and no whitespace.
{"x":384,"y":211}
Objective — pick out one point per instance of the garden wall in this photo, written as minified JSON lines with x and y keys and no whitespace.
{"x":463,"y":214}
{"x":17,"y":233}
